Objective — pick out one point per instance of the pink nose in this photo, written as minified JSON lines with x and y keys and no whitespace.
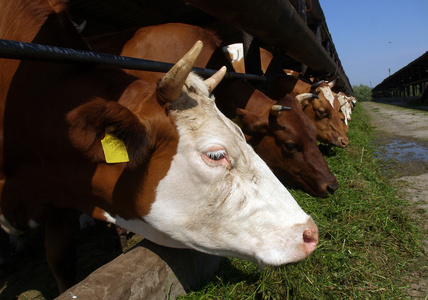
{"x":310,"y":239}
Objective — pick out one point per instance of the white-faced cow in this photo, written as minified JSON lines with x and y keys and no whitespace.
{"x":286,"y":140}
{"x":157,"y":159}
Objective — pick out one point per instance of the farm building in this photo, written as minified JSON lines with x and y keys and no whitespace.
{"x":409,"y":82}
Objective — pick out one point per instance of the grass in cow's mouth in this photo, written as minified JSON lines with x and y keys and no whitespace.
{"x":368,"y":244}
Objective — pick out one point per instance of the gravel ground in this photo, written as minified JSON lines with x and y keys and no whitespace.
{"x":399,"y":129}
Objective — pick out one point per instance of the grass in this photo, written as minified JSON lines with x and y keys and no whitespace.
{"x":368,"y":244}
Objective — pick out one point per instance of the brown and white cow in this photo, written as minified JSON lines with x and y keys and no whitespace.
{"x":157,"y":159}
{"x":346,"y":106}
{"x":322,"y":110}
{"x":285,"y":140}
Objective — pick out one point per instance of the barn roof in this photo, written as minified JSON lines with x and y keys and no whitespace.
{"x":415,"y":72}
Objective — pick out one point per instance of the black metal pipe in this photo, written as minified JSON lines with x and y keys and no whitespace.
{"x":29,"y":51}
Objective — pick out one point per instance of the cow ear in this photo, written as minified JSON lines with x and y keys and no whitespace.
{"x":90,"y":122}
{"x":332,"y":83}
{"x":253,"y":123}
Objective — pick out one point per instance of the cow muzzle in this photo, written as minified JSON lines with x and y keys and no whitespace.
{"x":343,"y":142}
{"x":310,"y":238}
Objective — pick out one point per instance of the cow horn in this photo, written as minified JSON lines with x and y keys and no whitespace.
{"x":277,"y":108}
{"x":171,"y":84}
{"x":305,"y":96}
{"x":316,"y":84}
{"x":215,"y":79}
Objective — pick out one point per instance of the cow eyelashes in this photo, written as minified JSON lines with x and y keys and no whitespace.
{"x":216,"y":155}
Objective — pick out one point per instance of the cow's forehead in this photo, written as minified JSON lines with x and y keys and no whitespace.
{"x":328,"y":94}
{"x":204,"y":124}
{"x":201,"y":120}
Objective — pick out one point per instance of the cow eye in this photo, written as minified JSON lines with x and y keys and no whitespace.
{"x":290,"y":146}
{"x":216,"y":155}
{"x":322,"y":113}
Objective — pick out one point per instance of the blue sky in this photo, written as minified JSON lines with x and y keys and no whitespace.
{"x":372,"y":36}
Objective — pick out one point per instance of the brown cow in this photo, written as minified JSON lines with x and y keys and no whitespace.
{"x":324,"y":110}
{"x":156,"y":159}
{"x":285,"y":140}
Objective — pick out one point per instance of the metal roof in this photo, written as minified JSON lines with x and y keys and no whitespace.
{"x":414,"y":73}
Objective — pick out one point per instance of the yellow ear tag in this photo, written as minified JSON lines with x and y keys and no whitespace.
{"x":114,"y":148}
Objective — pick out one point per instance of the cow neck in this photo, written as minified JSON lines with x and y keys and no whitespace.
{"x":284,"y":85}
{"x":27,"y":21}
{"x":126,"y":192}
{"x":261,"y":105}
{"x":21,"y":20}
{"x":129,"y":192}
{"x":243,"y":95}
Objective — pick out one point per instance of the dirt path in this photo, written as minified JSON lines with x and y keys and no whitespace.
{"x":402,"y":140}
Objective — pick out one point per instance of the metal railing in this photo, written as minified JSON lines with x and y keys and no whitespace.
{"x":37,"y":52}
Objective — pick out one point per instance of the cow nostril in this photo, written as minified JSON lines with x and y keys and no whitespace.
{"x":310,"y":238}
{"x":343,"y":141}
{"x":331,"y":188}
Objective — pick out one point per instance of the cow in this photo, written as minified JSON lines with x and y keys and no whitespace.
{"x":345,"y":106}
{"x":286,"y":140}
{"x":158,"y":159}
{"x":322,"y":110}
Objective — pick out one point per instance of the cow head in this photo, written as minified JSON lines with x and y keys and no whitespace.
{"x":324,"y":111}
{"x":285,"y":138}
{"x":191,"y":180}
{"x":345,"y":106}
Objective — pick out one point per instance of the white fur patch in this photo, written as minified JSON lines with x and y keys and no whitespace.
{"x":345,"y":106}
{"x":197,"y":85}
{"x":235,"y":50}
{"x":142,"y":228}
{"x":328,"y":94}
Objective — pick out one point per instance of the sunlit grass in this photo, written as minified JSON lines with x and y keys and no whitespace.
{"x":367,"y":241}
